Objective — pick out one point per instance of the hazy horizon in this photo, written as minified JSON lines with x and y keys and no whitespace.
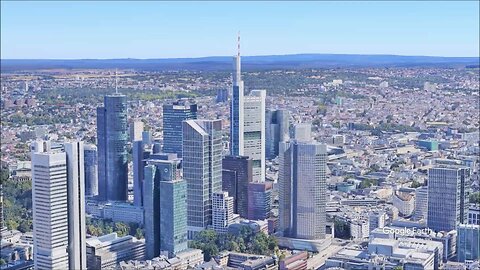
{"x":243,"y":56}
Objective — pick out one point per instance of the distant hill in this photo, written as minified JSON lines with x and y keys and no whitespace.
{"x":293,"y":61}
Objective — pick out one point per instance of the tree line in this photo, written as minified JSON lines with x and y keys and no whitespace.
{"x":246,"y":241}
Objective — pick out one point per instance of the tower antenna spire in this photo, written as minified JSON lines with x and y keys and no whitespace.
{"x":116,"y":82}
{"x":238,"y":43}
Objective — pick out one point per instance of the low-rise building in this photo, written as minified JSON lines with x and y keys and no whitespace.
{"x":255,"y":225}
{"x":376,"y":219}
{"x":297,"y":261}
{"x":447,"y":239}
{"x":251,"y":261}
{"x":186,"y":259}
{"x":222,"y":212}
{"x":116,"y":211}
{"x":106,"y":252}
{"x":404,"y":202}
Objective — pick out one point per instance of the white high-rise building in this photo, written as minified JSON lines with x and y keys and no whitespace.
{"x":50,"y":207}
{"x":254,"y":132}
{"x":303,"y":132}
{"x":247,"y":123}
{"x":222,"y":207}
{"x":136,"y":129}
{"x":58,"y":206}
{"x":76,"y":205}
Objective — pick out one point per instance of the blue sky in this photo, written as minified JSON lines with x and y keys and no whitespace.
{"x":72,"y":30}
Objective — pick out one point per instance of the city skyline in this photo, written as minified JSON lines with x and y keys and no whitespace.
{"x":177,"y":30}
{"x":295,"y":162}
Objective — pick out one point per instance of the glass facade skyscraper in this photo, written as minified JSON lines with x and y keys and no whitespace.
{"x":173,"y":115}
{"x":247,"y":123}
{"x":91,"y":170}
{"x":173,"y":216}
{"x":254,"y":132}
{"x":222,"y":95}
{"x":141,"y":151}
{"x":259,"y":200}
{"x":236,"y":109}
{"x":112,"y":137}
{"x":230,"y":185}
{"x":302,"y":188}
{"x":151,"y":207}
{"x":468,"y":242}
{"x":202,"y":170}
{"x":447,"y":197}
{"x":277,"y":130}
{"x":421,"y":203}
{"x":165,"y":206}
{"x":236,"y":174}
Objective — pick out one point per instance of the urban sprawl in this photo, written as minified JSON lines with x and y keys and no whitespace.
{"x":342,"y":168}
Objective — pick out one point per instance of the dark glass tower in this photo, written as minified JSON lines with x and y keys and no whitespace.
{"x":140,"y":152}
{"x":237,"y":173}
{"x":165,"y":204}
{"x":173,"y":115}
{"x":222,"y":95}
{"x":91,"y":170}
{"x":112,"y":137}
{"x":259,"y":200}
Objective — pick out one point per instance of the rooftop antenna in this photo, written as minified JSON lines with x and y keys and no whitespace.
{"x":116,"y":82}
{"x":238,"y":42}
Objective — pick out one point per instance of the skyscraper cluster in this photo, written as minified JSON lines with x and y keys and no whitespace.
{"x":185,"y":185}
